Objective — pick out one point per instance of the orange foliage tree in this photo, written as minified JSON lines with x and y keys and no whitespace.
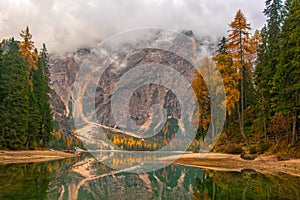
{"x":241,"y":49}
{"x":69,"y":142}
{"x":29,"y":52}
{"x":201,"y":95}
{"x":230,"y":79}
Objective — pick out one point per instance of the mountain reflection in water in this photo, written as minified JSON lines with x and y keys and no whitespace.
{"x":85,"y":177}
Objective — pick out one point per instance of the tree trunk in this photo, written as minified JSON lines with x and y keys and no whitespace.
{"x":226,"y":126}
{"x":295,"y":126}
{"x":242,"y":106}
{"x":264,"y":117}
{"x":241,"y":124}
{"x":241,"y":114}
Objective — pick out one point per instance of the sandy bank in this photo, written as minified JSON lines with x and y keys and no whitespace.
{"x":217,"y":161}
{"x":30,"y":156}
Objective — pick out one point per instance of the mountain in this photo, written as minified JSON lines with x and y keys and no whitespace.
{"x":63,"y":70}
{"x":143,"y":109}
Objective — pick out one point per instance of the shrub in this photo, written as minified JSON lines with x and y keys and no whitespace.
{"x":233,"y":149}
{"x":264,"y":147}
{"x":230,"y":149}
{"x":258,"y":150}
{"x":253,"y":150}
{"x":220,"y":148}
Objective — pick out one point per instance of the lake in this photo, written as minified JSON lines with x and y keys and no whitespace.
{"x":84,"y":177}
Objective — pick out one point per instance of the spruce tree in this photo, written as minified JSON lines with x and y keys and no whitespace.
{"x":286,"y":83}
{"x":222,"y":49}
{"x":14,"y":98}
{"x":1,"y":96}
{"x":34,"y":123}
{"x":25,"y":114}
{"x":41,"y":81}
{"x":274,"y":12}
{"x":268,"y":56}
{"x":262,"y":80}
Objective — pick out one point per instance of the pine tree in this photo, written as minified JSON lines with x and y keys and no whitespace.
{"x":2,"y":71}
{"x":268,"y":58}
{"x":14,"y":98}
{"x":240,"y":49}
{"x":262,"y":80}
{"x":41,"y":91}
{"x":274,"y":12}
{"x":287,"y":77}
{"x":287,"y":5}
{"x":222,"y":46}
{"x":26,"y":120}
{"x":34,"y":123}
{"x":30,"y":55}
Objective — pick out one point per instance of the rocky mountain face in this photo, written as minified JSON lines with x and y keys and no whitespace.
{"x":148,"y":94}
{"x":64,"y":70}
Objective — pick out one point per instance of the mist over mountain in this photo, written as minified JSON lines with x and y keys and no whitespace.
{"x":66,"y":26}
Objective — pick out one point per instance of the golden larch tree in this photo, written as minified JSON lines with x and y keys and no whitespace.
{"x":201,"y":94}
{"x":230,"y":79}
{"x":240,"y":49}
{"x":29,"y":52}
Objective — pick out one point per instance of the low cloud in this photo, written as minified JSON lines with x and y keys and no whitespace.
{"x":65,"y":25}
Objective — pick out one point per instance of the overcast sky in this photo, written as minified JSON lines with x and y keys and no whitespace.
{"x":65,"y":25}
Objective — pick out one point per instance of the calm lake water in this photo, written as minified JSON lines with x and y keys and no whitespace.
{"x":86,"y":178}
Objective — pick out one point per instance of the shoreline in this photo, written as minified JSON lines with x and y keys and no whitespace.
{"x":31,"y":156}
{"x":210,"y":161}
{"x":228,"y":162}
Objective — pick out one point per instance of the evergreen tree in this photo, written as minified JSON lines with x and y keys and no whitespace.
{"x":41,"y":91}
{"x":274,"y":12}
{"x":287,"y":5}
{"x":14,"y":98}
{"x":262,"y":80}
{"x":34,"y":123}
{"x":287,"y":77}
{"x":26,"y":120}
{"x":222,"y":49}
{"x":1,"y":95}
{"x":268,"y":56}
